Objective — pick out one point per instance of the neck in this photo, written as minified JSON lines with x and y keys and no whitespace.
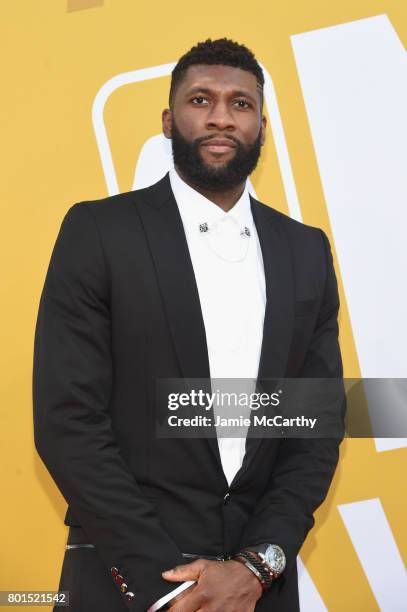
{"x":224,"y":198}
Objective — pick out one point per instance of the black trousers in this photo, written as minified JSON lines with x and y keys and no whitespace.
{"x":91,"y":588}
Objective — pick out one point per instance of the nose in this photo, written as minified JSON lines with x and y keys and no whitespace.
{"x":220,"y":117}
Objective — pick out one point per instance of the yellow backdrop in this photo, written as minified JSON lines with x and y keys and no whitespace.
{"x":56,"y":54}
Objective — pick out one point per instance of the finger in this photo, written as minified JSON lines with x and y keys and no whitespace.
{"x":189,"y":571}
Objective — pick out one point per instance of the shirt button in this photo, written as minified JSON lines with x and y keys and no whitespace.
{"x":226,"y":498}
{"x":114,"y":571}
{"x":129,"y":596}
{"x":123,"y":587}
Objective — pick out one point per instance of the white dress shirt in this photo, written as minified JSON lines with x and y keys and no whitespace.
{"x":229,"y":273}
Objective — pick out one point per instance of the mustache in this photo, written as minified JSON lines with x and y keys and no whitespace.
{"x":199,"y":141}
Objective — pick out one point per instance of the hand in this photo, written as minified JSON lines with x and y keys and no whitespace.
{"x":178,"y":598}
{"x":222,"y":586}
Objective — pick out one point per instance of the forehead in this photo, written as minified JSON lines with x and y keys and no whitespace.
{"x":219,"y":78}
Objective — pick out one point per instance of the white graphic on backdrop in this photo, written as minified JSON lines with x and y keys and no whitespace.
{"x":310,"y":599}
{"x":102,"y":96}
{"x":377,"y":550}
{"x":354,"y":80}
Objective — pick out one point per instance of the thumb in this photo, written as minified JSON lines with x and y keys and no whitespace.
{"x":189,"y":571}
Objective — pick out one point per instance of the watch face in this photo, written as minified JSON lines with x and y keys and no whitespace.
{"x":275,"y":558}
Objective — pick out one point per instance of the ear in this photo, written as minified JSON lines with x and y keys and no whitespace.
{"x":167,"y":122}
{"x":263,"y":129}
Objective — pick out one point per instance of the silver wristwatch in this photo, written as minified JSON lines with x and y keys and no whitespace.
{"x":273,"y":557}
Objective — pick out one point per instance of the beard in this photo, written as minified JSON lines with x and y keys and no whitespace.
{"x":187,"y":158}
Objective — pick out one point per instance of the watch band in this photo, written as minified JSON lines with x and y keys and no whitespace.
{"x":257,"y":567}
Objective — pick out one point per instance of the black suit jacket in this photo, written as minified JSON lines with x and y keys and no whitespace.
{"x":119,"y":309}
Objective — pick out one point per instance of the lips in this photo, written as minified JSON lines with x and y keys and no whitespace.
{"x":219,"y":145}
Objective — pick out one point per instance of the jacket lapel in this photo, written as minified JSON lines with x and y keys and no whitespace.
{"x":169,"y":249}
{"x":279,"y":312}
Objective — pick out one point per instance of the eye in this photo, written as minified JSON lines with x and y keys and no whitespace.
{"x":243,"y":102}
{"x":200,"y":98}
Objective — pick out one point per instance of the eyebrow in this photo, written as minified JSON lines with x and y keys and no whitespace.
{"x":235,"y":92}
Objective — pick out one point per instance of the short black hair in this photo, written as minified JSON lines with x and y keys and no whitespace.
{"x":222,"y":51}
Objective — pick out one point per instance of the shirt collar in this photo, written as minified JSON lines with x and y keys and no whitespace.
{"x":195,"y":208}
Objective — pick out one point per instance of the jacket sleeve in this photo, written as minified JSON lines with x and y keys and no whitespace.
{"x":72,"y":386}
{"x":304,"y":467}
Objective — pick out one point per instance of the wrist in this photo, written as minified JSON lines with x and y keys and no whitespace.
{"x":254,"y":564}
{"x":251,"y":579}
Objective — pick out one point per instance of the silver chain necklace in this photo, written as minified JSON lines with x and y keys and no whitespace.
{"x":208,"y":232}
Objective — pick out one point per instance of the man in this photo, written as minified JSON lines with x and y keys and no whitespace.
{"x":189,"y":278}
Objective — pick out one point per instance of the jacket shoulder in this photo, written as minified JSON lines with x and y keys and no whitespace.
{"x":122,"y":206}
{"x":111,"y":205}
